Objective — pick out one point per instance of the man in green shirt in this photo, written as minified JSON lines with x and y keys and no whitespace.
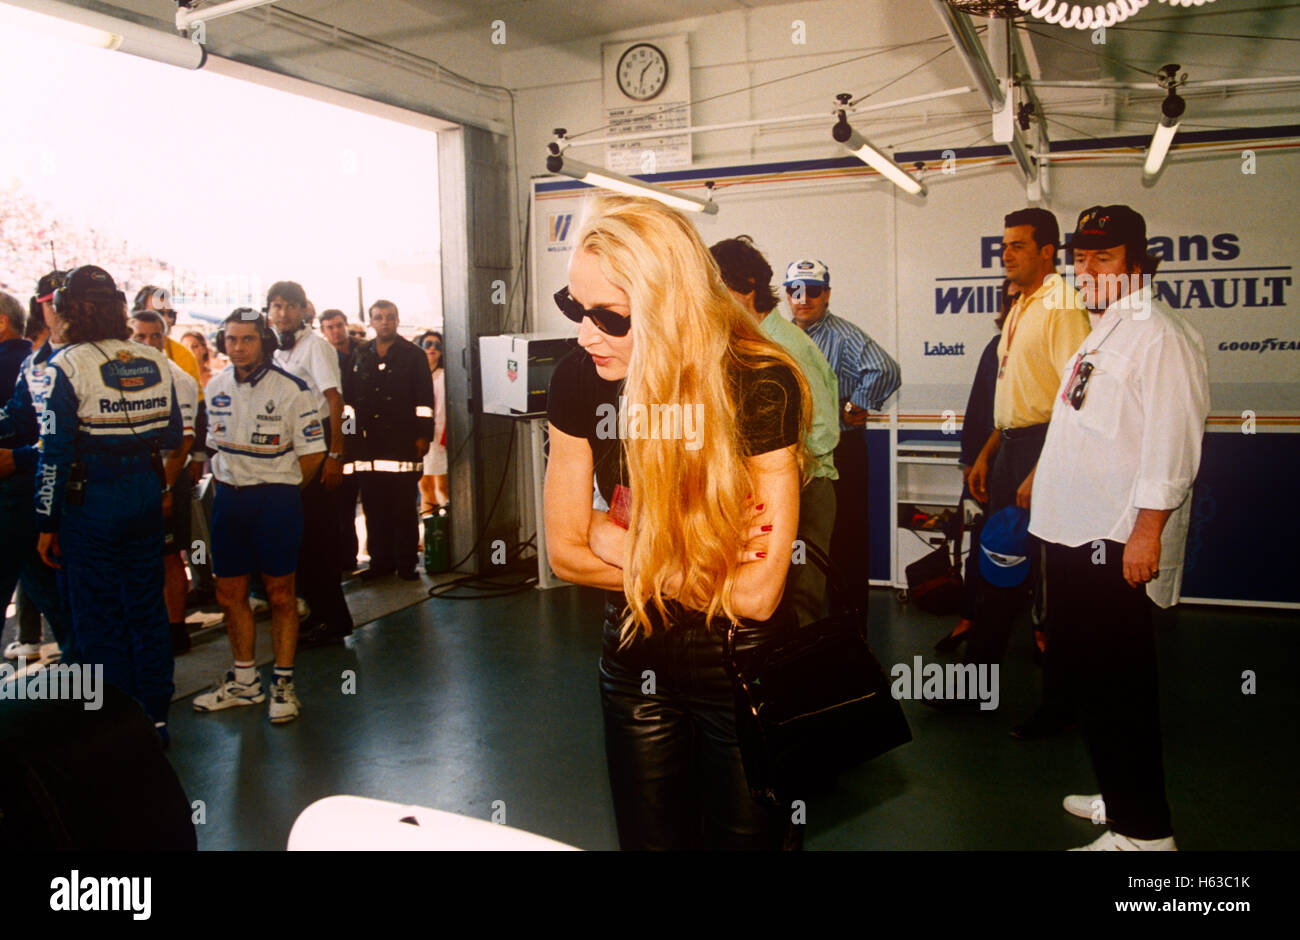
{"x":749,"y":276}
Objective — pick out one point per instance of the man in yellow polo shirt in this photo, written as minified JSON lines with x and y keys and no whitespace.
{"x":1043,"y":330}
{"x":156,"y":299}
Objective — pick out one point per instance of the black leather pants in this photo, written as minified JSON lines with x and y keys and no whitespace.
{"x":670,"y":740}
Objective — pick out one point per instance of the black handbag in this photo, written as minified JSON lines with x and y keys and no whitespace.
{"x":812,"y":702}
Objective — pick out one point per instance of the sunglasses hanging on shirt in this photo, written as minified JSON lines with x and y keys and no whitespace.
{"x":1083,"y":369}
{"x":607,"y":321}
{"x":1079,"y":388}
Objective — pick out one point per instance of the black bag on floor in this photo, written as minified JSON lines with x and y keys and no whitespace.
{"x":934,"y":583}
{"x":80,"y":779}
{"x":812,"y":703}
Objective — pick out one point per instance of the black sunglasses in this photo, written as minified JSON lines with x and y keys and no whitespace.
{"x":1080,"y":387}
{"x":811,"y":291}
{"x":607,"y":321}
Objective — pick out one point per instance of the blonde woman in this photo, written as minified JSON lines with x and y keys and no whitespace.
{"x":702,"y":472}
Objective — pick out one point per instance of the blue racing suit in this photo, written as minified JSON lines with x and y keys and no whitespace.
{"x":111,"y":408}
{"x":19,"y":429}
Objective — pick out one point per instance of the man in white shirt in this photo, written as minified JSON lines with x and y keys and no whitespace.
{"x":1111,"y":501}
{"x":309,"y":356}
{"x":267,"y":441}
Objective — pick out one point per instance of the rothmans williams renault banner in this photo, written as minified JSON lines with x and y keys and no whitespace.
{"x":921,"y":276}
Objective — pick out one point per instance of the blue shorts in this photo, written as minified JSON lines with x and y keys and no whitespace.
{"x":256,"y":528}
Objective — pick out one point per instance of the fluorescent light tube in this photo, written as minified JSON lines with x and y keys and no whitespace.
{"x":595,"y":176}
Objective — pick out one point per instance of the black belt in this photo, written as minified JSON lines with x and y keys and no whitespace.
{"x":1016,"y":434}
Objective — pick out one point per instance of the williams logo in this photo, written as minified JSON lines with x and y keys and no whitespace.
{"x":945,"y":349}
{"x":558,"y":227}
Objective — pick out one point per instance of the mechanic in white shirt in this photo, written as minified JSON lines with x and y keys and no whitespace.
{"x":149,"y":327}
{"x":1111,"y":501}
{"x":266,"y":439}
{"x":309,"y":356}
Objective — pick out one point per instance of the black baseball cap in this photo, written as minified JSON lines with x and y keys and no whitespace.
{"x":48,"y":284}
{"x":1107,"y":227}
{"x":91,"y":280}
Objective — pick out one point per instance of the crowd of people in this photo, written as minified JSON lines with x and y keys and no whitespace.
{"x":34,"y":238}
{"x":1083,"y":436}
{"x":111,"y":428}
{"x":1082,"y":445}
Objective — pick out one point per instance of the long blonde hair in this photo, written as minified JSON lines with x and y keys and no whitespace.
{"x":691,"y":342}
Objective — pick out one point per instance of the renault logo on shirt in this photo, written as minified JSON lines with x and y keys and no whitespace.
{"x":270,"y":406}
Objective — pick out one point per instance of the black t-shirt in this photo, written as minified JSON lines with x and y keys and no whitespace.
{"x":769,"y":412}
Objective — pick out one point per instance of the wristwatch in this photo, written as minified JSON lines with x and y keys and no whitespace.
{"x":333,"y":456}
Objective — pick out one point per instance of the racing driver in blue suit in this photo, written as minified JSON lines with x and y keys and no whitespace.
{"x":110,"y":414}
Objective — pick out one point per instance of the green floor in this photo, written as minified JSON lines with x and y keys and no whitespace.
{"x":459,"y":704}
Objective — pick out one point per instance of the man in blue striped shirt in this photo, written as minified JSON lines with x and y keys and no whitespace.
{"x":867,"y":377}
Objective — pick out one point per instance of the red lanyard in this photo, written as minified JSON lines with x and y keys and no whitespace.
{"x":1016,"y":312}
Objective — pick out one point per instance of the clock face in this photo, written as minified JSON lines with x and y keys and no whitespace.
{"x":642,"y":71}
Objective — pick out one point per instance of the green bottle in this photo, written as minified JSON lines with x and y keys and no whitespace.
{"x":437,"y":546}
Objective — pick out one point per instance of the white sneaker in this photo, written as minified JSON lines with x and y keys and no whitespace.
{"x":1114,"y":842}
{"x":1091,"y":807}
{"x":229,"y":694}
{"x":284,"y":702}
{"x":303,"y":609}
{"x":259,"y":605}
{"x":25,"y":650}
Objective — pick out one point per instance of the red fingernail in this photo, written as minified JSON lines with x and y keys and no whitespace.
{"x":766,"y":528}
{"x":758,"y":508}
{"x":762,"y":554}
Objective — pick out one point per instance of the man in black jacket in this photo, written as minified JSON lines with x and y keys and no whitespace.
{"x":391,"y":392}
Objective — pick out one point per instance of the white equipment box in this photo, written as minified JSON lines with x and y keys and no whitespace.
{"x":516,"y":369}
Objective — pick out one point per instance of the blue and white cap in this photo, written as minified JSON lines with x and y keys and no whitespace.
{"x":1004,"y":547}
{"x":809,"y":271}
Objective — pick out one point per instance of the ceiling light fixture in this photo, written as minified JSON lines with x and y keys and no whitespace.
{"x":1171,"y":115}
{"x":557,"y":162}
{"x":861,"y":148}
{"x":65,"y":21}
{"x":187,"y":18}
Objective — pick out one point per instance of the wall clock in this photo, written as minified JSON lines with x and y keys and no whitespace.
{"x":642,"y":71}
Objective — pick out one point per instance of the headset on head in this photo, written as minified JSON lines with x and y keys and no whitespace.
{"x":64,"y":294}
{"x":249,"y":315}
